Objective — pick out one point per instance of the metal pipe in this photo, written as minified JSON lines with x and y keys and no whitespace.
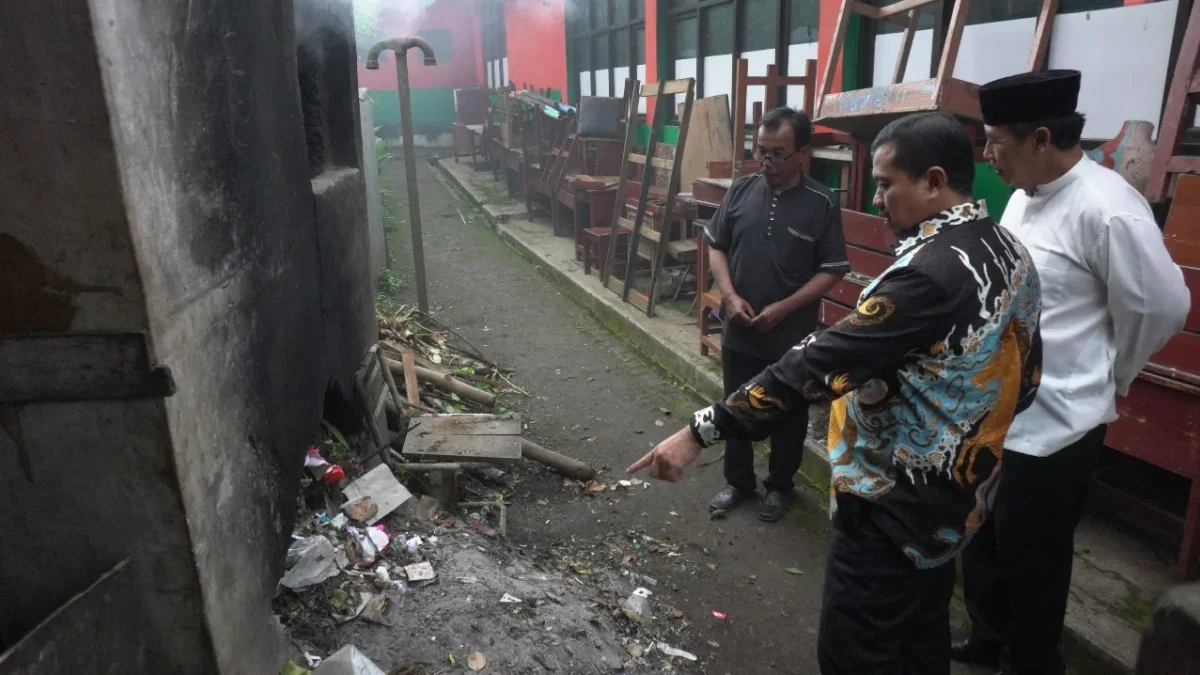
{"x":401,"y":46}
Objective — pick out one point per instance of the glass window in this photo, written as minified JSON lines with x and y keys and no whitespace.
{"x":620,"y":12}
{"x":718,"y":30}
{"x":603,"y":60}
{"x":600,"y":13}
{"x":685,"y":38}
{"x":639,"y":55}
{"x":620,"y":47}
{"x":682,"y":4}
{"x":761,"y":25}
{"x":637,"y":8}
{"x":804,"y":21}
{"x":585,"y":55}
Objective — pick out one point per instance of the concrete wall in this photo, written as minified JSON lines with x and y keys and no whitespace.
{"x":82,"y":484}
{"x":160,"y":171}
{"x":378,"y":239}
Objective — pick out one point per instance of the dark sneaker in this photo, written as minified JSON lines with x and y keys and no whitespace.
{"x":728,"y":498}
{"x":774,"y":505}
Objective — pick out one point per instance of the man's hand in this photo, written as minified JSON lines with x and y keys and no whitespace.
{"x":770,"y":317}
{"x":739,"y":310}
{"x":668,"y":459}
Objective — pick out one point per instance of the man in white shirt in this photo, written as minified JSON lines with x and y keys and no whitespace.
{"x":1111,"y":297}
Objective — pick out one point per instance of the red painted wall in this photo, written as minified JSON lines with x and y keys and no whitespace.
{"x":536,"y":37}
{"x":463,"y":68}
{"x":650,"y":12}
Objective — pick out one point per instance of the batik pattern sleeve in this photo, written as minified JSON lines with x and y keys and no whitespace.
{"x":904,"y":314}
{"x":831,"y":247}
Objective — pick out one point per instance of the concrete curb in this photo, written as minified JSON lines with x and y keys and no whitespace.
{"x":634,"y":328}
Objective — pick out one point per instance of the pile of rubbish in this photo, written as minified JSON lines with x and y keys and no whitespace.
{"x":459,"y":379}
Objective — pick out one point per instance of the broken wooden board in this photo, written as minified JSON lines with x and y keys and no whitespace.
{"x":709,"y":138}
{"x":493,"y":438}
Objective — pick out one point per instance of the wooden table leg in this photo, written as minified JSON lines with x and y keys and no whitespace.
{"x":1189,"y":548}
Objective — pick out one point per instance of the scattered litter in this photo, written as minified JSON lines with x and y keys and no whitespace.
{"x":290,"y":668}
{"x":793,"y":570}
{"x":554,"y":597}
{"x":381,"y":573}
{"x":659,"y":423}
{"x":381,"y":486}
{"x":675,"y":514}
{"x":379,"y":538}
{"x":422,"y":571}
{"x":635,"y":650}
{"x":719,"y":615}
{"x":364,"y":550}
{"x":312,"y":659}
{"x":543,"y":502}
{"x":467,"y":580}
{"x":671,"y":651}
{"x":476,"y":661}
{"x":348,"y":661}
{"x":638,"y":482}
{"x":675,"y":613}
{"x":315,"y":561}
{"x":625,"y":483}
{"x":335,"y":474}
{"x":413,"y":545}
{"x":361,"y":509}
{"x":637,"y":605}
{"x":376,"y":610}
{"x":593,"y":487}
{"x":423,"y":509}
{"x":509,"y":599}
{"x":339,"y":521}
{"x":362,"y":601}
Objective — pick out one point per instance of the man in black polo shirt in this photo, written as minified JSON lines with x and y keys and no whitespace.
{"x":777,"y":247}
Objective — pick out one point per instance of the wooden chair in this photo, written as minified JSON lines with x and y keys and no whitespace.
{"x":470,"y":116}
{"x":865,"y":111}
{"x":775,"y":85}
{"x":645,"y":242}
{"x":373,"y":385}
{"x":708,"y":301}
{"x":1180,"y":109}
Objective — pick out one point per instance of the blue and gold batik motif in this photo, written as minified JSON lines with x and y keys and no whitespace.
{"x":925,"y":377}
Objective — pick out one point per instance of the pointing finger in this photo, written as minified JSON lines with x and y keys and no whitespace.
{"x":641,"y":463}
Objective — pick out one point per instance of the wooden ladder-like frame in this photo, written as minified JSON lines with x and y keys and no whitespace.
{"x":647,"y":301}
{"x":1181,"y":104}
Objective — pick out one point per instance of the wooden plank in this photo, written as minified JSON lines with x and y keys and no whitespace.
{"x":1159,"y":425}
{"x":867,"y":231}
{"x":1181,"y":352}
{"x":910,"y":30}
{"x":451,"y":447}
{"x":846,"y":293}
{"x":1185,"y":253}
{"x":1173,"y":125}
{"x":709,"y":139}
{"x":465,"y":425}
{"x":96,"y":631}
{"x":867,"y":263}
{"x":831,"y":312}
{"x":411,"y":389}
{"x":900,"y":7}
{"x":1191,"y":277}
{"x":78,"y":367}
{"x":1041,"y":36}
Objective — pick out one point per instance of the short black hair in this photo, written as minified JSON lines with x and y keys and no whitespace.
{"x":1065,"y":131}
{"x":798,"y":119}
{"x":925,"y":140}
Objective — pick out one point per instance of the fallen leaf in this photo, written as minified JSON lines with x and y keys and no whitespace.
{"x":635,"y":650}
{"x":793,"y":570}
{"x":543,"y":502}
{"x":636,"y":482}
{"x":451,"y":657}
{"x":675,"y":613}
{"x":712,"y":566}
{"x":567,"y":482}
{"x":476,"y":661}
{"x":361,"y":509}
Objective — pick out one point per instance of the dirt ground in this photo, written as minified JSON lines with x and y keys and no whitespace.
{"x":592,"y":398}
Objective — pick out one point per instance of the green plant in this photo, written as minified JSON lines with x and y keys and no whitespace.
{"x":387,"y":299}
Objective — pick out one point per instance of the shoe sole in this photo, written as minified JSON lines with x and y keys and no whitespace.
{"x":770,"y":519}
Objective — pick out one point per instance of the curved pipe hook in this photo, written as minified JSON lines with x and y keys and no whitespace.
{"x":400,"y":45}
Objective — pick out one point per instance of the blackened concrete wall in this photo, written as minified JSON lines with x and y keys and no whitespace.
{"x":184,"y":187}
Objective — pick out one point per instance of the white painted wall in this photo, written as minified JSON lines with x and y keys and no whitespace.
{"x":797,"y":55}
{"x":757,"y":62}
{"x":1123,"y":53}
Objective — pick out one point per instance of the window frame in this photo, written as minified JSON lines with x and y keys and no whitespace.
{"x":586,"y":34}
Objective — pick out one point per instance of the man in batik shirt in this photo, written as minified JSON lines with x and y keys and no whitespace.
{"x":928,"y":372}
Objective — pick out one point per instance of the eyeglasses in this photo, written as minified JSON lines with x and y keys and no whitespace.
{"x":774,"y":158}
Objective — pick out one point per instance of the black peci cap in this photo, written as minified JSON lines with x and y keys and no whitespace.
{"x":1029,"y":97}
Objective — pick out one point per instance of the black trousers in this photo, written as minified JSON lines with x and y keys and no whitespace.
{"x":881,"y":615}
{"x":1017,"y":569}
{"x":787,"y":444}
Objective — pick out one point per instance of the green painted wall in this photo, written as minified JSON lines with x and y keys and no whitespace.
{"x":433,"y":109}
{"x":670,"y":134}
{"x":987,"y":187}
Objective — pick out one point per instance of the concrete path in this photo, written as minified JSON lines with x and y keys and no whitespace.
{"x":592,"y":398}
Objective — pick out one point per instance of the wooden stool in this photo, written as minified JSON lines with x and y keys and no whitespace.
{"x":595,"y":249}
